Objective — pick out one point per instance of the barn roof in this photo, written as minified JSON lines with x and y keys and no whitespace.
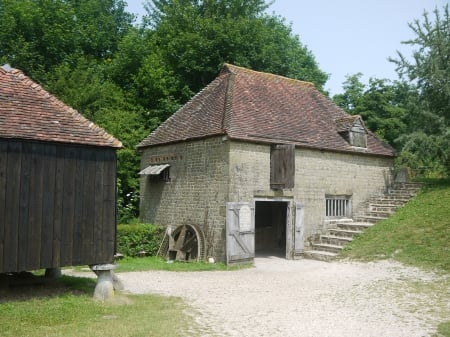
{"x":29,"y":112}
{"x":255,"y":106}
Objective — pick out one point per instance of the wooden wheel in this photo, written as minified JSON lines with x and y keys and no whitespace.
{"x":185,"y":243}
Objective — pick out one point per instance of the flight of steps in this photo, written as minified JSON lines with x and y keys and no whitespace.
{"x":327,"y":246}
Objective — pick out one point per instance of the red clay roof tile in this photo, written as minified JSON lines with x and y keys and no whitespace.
{"x":255,"y":106}
{"x":27,"y":111}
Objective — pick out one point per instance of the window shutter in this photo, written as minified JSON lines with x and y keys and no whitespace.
{"x":282,"y":166}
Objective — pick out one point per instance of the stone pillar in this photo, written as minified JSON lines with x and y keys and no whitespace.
{"x":104,"y":289}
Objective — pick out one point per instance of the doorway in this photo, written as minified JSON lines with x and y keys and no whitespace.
{"x":270,"y":227}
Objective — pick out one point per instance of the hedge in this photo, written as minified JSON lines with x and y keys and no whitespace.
{"x":139,"y":239}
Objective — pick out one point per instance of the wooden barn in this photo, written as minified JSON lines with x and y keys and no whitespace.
{"x":258,"y":163}
{"x":57,"y":181}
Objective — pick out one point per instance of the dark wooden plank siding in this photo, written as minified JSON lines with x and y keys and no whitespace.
{"x":12,"y":207}
{"x":3,"y":166}
{"x":24,"y":205}
{"x":109,"y":207}
{"x":57,"y":205}
{"x":48,"y":205}
{"x":37,"y":173}
{"x":98,"y":216}
{"x":88,"y":212}
{"x":68,"y":208}
{"x":58,"y":209}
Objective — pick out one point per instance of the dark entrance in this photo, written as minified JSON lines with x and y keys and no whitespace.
{"x":270,"y":227}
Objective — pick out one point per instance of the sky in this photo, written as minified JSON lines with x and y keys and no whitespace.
{"x":349,"y":36}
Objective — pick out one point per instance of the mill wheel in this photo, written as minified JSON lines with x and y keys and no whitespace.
{"x":185,"y":243}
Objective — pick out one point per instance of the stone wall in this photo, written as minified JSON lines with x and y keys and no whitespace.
{"x":197,"y":192}
{"x":206,"y":174}
{"x":317,"y":174}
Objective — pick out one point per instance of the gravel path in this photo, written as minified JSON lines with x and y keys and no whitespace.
{"x":308,"y":298}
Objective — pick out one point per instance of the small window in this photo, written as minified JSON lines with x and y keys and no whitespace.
{"x":338,"y":206}
{"x":165,"y":174}
{"x":358,"y":136}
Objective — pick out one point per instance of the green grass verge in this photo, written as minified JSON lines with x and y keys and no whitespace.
{"x":444,"y":329}
{"x":158,"y":263}
{"x":73,"y":312}
{"x":417,"y":234}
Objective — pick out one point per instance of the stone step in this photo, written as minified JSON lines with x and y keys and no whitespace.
{"x":354,"y":226}
{"x":370,"y":218}
{"x":344,"y":232}
{"x":326,"y":247}
{"x":319,"y":255}
{"x":387,"y":208}
{"x":415,"y":187}
{"x":401,"y":193}
{"x":335,"y":240}
{"x":377,"y":214}
{"x":335,"y":221}
{"x":387,"y":201}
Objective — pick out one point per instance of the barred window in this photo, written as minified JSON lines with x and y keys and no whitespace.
{"x":338,"y":206}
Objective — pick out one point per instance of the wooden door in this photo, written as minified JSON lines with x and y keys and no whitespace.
{"x":299,"y":243}
{"x":240,"y":230}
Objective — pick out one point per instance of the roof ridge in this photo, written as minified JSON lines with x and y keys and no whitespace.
{"x":76,"y":115}
{"x":233,"y":68}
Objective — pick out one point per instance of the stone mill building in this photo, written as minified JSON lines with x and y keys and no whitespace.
{"x":259,"y":163}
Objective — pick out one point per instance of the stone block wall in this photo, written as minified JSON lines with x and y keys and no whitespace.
{"x":317,"y":174}
{"x":320,"y":173}
{"x":208,"y":173}
{"x":197,"y":192}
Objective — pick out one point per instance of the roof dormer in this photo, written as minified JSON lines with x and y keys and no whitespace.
{"x":353,"y":130}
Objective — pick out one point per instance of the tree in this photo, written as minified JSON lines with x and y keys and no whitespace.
{"x":196,"y":37}
{"x":427,"y":144}
{"x":382,"y":105}
{"x":430,"y":64}
{"x":36,"y":36}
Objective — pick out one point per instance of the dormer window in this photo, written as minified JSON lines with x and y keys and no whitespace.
{"x":353,"y":130}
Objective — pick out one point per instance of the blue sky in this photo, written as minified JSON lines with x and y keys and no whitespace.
{"x":349,"y":36}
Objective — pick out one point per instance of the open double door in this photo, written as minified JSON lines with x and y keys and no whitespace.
{"x":264,"y":227}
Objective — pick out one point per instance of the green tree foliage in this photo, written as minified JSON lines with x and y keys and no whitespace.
{"x":430,"y":64}
{"x":413,"y":114}
{"x":35,"y":36}
{"x":426,"y":146}
{"x":382,"y":105}
{"x":196,"y":37}
{"x":129,"y":78}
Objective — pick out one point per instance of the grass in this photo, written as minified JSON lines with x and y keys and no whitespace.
{"x":444,"y":329}
{"x":417,"y":234}
{"x":72,"y":311}
{"x":65,"y":307}
{"x":158,"y":263}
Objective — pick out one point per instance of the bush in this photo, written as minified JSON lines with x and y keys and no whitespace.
{"x":134,"y":239}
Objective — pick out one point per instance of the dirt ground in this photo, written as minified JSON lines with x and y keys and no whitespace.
{"x":306,"y":298}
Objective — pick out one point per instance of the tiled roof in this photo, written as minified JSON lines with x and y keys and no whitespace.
{"x":255,"y":106}
{"x":29,"y":112}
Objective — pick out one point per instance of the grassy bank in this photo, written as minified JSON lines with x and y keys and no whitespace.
{"x":417,"y":234}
